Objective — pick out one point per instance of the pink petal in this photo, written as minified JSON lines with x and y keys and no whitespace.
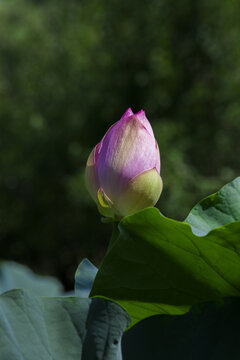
{"x":127,"y":114}
{"x":143,"y":119}
{"x":126,"y":150}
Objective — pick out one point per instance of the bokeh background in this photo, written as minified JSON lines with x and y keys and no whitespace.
{"x":68,"y":70}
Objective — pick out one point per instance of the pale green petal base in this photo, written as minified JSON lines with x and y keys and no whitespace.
{"x":141,"y":192}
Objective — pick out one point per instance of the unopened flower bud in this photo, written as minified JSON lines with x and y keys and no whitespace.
{"x":123,"y":170}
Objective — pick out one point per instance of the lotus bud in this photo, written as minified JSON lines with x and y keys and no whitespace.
{"x":123,"y":170}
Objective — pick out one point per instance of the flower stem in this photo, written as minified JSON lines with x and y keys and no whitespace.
{"x":115,"y":235}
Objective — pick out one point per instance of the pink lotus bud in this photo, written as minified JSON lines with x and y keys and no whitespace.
{"x":123,"y":170}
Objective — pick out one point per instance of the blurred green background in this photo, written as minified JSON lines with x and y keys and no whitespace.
{"x":68,"y":70}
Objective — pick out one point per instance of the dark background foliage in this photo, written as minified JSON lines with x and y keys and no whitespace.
{"x":68,"y":70}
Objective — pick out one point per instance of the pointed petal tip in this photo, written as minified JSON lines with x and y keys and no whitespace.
{"x":141,"y":113}
{"x":127,"y":113}
{"x":141,"y":116}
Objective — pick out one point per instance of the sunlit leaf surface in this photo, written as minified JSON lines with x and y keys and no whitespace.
{"x":159,"y":266}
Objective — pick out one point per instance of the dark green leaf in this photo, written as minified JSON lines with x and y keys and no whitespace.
{"x":217,"y":209}
{"x":207,"y":332}
{"x":158,"y":266}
